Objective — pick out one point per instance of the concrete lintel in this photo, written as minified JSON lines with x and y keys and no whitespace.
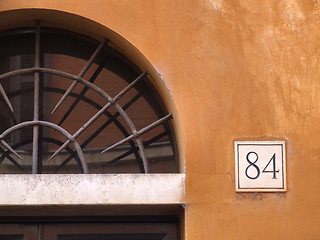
{"x":92,"y":189}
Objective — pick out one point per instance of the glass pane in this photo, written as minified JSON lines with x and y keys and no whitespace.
{"x":78,"y":123}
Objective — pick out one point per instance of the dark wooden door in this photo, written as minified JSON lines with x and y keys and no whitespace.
{"x":19,"y":232}
{"x":98,"y":231}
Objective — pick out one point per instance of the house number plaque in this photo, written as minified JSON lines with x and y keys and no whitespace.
{"x":260,"y":166}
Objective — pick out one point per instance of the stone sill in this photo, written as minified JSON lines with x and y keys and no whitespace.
{"x":91,"y":189}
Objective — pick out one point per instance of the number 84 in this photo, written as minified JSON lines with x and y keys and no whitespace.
{"x":252,"y":158}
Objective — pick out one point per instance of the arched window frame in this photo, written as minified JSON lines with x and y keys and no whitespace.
{"x":71,"y":138}
{"x":127,"y":189}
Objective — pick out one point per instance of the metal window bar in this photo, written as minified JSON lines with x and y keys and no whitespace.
{"x":140,"y":132}
{"x":6,"y":99}
{"x":11,"y":113}
{"x":112,"y":119}
{"x":5,"y":154}
{"x":55,"y":127}
{"x":146,"y":144}
{"x":81,"y":74}
{"x":82,"y":93}
{"x":35,"y":144}
{"x":71,"y":138}
{"x":100,"y":112}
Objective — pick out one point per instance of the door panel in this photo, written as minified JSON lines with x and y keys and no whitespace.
{"x":110,"y":232}
{"x":18,"y":231}
{"x":11,"y":237}
{"x":79,"y":231}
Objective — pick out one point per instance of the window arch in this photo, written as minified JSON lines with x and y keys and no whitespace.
{"x":72,"y":105}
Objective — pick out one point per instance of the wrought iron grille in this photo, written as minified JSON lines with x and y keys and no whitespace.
{"x":66,"y":98}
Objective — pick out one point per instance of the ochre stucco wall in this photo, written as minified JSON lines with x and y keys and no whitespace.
{"x":235,"y":70}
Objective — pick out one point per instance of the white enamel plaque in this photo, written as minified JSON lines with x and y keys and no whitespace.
{"x":260,"y":166}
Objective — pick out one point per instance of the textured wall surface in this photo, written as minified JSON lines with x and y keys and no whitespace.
{"x":235,"y":70}
{"x":91,"y":189}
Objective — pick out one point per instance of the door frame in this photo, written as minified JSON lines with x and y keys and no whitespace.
{"x":48,"y":228}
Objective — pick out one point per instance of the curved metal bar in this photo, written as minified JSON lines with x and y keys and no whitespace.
{"x":17,"y":72}
{"x":28,"y":141}
{"x":109,"y":99}
{"x":56,"y":127}
{"x":112,"y":118}
{"x":76,"y":79}
{"x":96,"y":89}
{"x":100,"y":112}
{"x":31,"y":123}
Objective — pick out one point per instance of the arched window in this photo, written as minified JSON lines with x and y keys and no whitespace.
{"x":71,"y":104}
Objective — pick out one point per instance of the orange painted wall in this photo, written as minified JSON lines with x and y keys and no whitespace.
{"x":235,"y":70}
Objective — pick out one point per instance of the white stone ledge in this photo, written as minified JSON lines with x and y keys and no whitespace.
{"x":92,"y":189}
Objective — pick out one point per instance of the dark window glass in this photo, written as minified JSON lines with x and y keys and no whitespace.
{"x":35,"y":76}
